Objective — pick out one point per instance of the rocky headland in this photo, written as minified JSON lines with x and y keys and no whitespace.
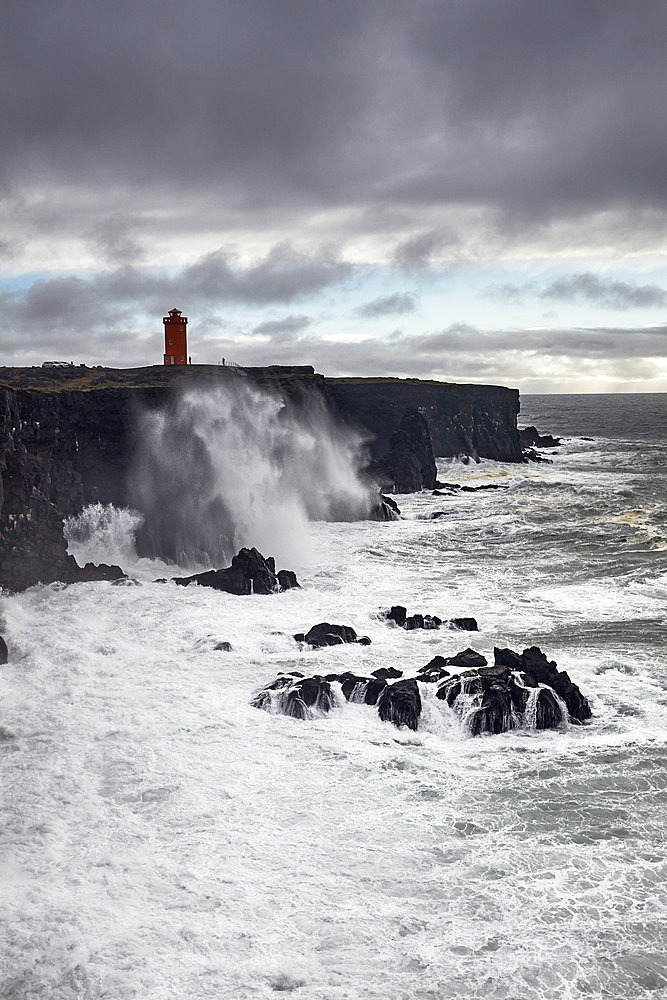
{"x":68,"y":438}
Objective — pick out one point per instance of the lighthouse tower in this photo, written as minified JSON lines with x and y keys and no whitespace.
{"x":175,"y":338}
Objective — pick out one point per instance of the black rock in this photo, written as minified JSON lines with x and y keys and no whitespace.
{"x":464,"y":624}
{"x":362,"y":690}
{"x":364,"y":640}
{"x":397,"y":614}
{"x":287,"y":579}
{"x":4,"y":653}
{"x":299,"y":698}
{"x":549,"y":714}
{"x":531,"y":437}
{"x":519,"y":689}
{"x":385,"y":509}
{"x":466,"y":658}
{"x":401,"y":704}
{"x":506,"y":658}
{"x":223,"y":647}
{"x":249,"y":573}
{"x":387,"y":672}
{"x":325,"y":634}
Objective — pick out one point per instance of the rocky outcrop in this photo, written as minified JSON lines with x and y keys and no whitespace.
{"x":399,"y":616}
{"x":4,"y":652}
{"x":68,"y":438}
{"x":530,"y":437}
{"x":520,"y":690}
{"x":249,"y":573}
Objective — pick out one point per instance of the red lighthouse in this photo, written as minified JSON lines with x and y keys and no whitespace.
{"x":175,"y":338}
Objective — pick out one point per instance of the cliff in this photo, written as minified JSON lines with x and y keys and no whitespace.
{"x":68,"y":437}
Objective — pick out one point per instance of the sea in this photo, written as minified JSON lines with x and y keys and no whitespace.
{"x":165,"y":840}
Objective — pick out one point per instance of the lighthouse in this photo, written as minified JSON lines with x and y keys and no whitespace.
{"x":175,"y":338}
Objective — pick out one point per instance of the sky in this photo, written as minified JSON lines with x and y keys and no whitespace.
{"x":465,"y":190}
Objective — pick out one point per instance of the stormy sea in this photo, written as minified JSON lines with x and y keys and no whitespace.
{"x":165,"y":838}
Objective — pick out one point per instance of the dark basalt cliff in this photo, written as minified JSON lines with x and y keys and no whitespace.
{"x":474,"y":420}
{"x":68,"y":438}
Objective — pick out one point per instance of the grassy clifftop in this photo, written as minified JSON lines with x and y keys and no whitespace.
{"x":83,"y":379}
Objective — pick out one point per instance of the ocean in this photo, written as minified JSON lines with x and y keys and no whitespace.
{"x":164,"y":839}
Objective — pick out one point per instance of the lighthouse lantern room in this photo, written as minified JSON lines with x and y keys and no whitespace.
{"x":175,"y":338}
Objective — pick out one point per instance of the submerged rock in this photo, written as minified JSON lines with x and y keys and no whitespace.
{"x":249,"y":573}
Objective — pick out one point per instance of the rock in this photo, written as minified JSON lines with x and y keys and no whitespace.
{"x":519,"y":690}
{"x":464,"y":624}
{"x":401,"y":704}
{"x":506,"y":658}
{"x":287,"y":579}
{"x":299,"y":698}
{"x":364,"y":641}
{"x":223,"y":647}
{"x":249,"y":573}
{"x":466,"y":658}
{"x":387,"y":672}
{"x":4,"y":653}
{"x":433,"y":671}
{"x":397,"y":614}
{"x":361,"y":690}
{"x":486,"y":486}
{"x":531,"y":437}
{"x":325,"y":634}
{"x":385,"y":509}
{"x":548,"y":713}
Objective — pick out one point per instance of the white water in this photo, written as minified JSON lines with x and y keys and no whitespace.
{"x":232,"y":466}
{"x":166,"y":840}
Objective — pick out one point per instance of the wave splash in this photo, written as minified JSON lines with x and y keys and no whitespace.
{"x":234,"y":466}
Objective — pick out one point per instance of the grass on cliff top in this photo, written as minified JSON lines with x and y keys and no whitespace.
{"x":84,"y":379}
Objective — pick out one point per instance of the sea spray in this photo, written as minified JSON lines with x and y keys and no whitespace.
{"x":102,"y":533}
{"x":234,"y":466}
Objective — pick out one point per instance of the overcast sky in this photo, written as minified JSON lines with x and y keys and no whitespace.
{"x":469,"y":190}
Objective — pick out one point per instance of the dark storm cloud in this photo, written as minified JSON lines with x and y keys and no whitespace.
{"x":534,"y":110}
{"x":387,"y":305}
{"x":607,"y":293}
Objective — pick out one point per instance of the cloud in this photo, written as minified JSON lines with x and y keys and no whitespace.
{"x":587,"y":288}
{"x":280,"y":116}
{"x":283,"y":275}
{"x":399,"y":303}
{"x":283,"y":328}
{"x":113,"y":240}
{"x":609,"y":293}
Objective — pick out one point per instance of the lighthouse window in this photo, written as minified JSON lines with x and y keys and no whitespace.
{"x":181,"y":326}
{"x":171,"y":342}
